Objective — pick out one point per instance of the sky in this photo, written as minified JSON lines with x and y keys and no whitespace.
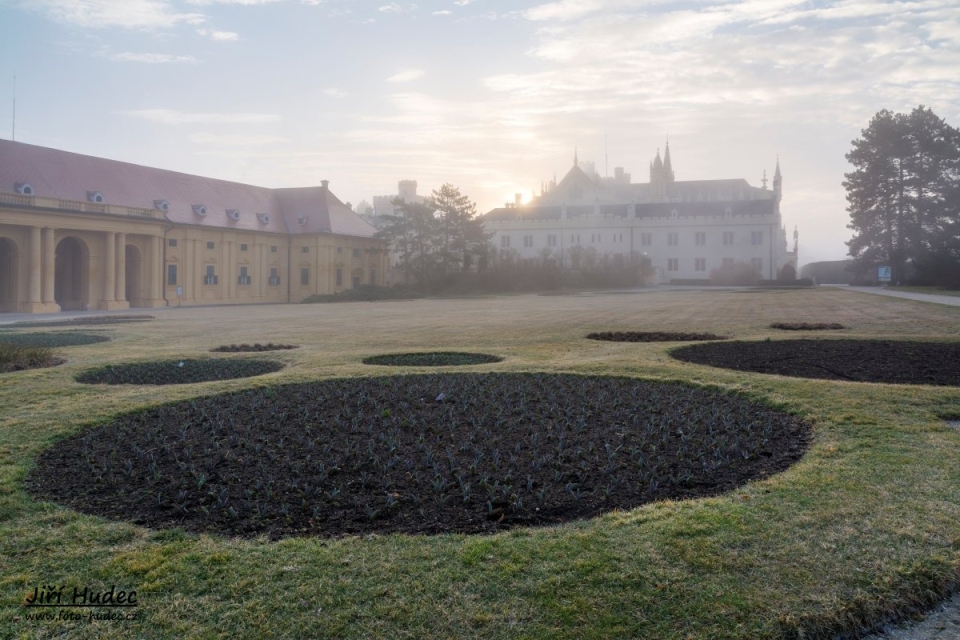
{"x":492,"y":96}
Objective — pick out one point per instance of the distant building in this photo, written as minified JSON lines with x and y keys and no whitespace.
{"x":80,"y":232}
{"x":686,"y":228}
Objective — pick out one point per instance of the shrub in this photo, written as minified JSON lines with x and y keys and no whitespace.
{"x":17,"y":358}
{"x":737,"y":273}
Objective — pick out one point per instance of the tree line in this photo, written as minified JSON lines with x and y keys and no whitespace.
{"x":904,"y":197}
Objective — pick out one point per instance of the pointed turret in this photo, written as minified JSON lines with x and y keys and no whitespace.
{"x":576,"y":162}
{"x":777,"y":181}
{"x":667,"y":165}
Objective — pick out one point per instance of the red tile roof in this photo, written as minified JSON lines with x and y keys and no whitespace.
{"x":70,"y":176}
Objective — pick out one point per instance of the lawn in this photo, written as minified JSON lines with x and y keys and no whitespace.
{"x":862,"y":528}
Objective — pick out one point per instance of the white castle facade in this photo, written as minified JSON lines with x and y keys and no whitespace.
{"x":685,"y":228}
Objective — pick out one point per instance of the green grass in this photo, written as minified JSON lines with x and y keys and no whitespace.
{"x":863,"y":527}
{"x":16,"y":357}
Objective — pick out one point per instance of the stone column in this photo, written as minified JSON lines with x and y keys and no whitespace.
{"x":35,"y":265}
{"x":155,"y":270}
{"x":49,"y":267}
{"x":110,"y":268}
{"x":121,"y":283}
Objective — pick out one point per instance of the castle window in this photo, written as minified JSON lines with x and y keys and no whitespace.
{"x":95,"y":196}
{"x":243,"y":247}
{"x":172,"y":242}
{"x":24,"y":188}
{"x":301,"y":219}
{"x":211,"y":275}
{"x":304,"y":276}
{"x":200,"y":209}
{"x":263,"y":217}
{"x":234,"y":214}
{"x":339,"y":277}
{"x":700,"y":264}
{"x":728,"y":238}
{"x":162,"y":205}
{"x":244,"y":277}
{"x":356,"y":253}
{"x":339,"y":249}
{"x":756,"y":238}
{"x":646,"y":239}
{"x":700,"y":238}
{"x":304,"y":249}
{"x":728,"y":262}
{"x":673,"y":239}
{"x":373,"y":277}
{"x":273,"y":248}
{"x":673,"y":264}
{"x":504,"y":242}
{"x":552,"y":240}
{"x":528,"y":241}
{"x":274,"y":276}
{"x":171,"y":275}
{"x":757,"y":264}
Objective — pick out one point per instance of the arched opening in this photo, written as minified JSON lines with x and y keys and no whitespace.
{"x":70,"y":289}
{"x":134,"y":288}
{"x":356,"y":278}
{"x":8,"y":276}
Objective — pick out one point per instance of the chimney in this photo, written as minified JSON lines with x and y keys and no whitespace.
{"x":325,"y":184}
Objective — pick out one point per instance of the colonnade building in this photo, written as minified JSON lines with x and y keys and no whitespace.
{"x":79,"y":232}
{"x":685,"y":228}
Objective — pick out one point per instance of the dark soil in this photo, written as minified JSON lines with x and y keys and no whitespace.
{"x":432,"y":359}
{"x":806,"y":326}
{"x":891,"y":361}
{"x":253,"y":348}
{"x":52,"y":338}
{"x":179,"y":371}
{"x":652,"y":336}
{"x":85,"y":320}
{"x":342,"y":457}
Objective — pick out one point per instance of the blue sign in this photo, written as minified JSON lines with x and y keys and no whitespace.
{"x":883,"y":274}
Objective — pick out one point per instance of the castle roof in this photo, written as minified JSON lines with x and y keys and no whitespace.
{"x":64,"y":175}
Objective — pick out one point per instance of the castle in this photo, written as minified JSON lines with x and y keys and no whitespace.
{"x":686,"y":229}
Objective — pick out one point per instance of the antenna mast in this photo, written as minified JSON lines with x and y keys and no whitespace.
{"x":13,"y":132}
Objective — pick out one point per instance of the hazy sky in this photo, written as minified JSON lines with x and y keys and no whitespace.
{"x":490,"y":95}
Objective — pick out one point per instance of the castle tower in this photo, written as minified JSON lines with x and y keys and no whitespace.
{"x":667,"y":166}
{"x":777,"y":182}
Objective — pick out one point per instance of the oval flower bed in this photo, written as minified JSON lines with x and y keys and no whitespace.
{"x":437,"y":453}
{"x":891,"y":361}
{"x":432,"y":359}
{"x":806,"y":326}
{"x":179,"y":371}
{"x":252,"y":348}
{"x":652,"y":336}
{"x":84,"y":320}
{"x":51,"y":339}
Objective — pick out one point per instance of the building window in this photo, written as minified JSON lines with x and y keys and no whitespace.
{"x":210,"y":245}
{"x":211,"y":277}
{"x":700,"y":264}
{"x":728,"y":238}
{"x":274,"y":276}
{"x":244,"y":277}
{"x":171,"y":275}
{"x":504,"y":242}
{"x":673,"y":264}
{"x":273,"y":249}
{"x":700,"y":238}
{"x":339,"y":276}
{"x":673,"y":239}
{"x":373,"y":277}
{"x":304,"y":249}
{"x":646,"y":239}
{"x":728,"y":262}
{"x":356,"y":253}
{"x":339,"y":249}
{"x":552,"y":240}
{"x":575,"y":238}
{"x":304,"y":276}
{"x":171,"y":242}
{"x":756,"y":238}
{"x":243,"y":247}
{"x":527,"y":241}
{"x":757,"y":264}
{"x":356,"y":281}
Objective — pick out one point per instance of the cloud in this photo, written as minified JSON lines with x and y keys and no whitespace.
{"x":150,"y":58}
{"x":234,"y":140}
{"x":393,"y":7}
{"x":127,"y":14}
{"x":406,"y":75}
{"x":443,"y":12}
{"x":170,"y":116}
{"x":219,"y":36}
{"x":246,"y":3}
{"x":334,"y":92}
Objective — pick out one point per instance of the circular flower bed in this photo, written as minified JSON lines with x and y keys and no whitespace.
{"x":52,"y":339}
{"x":432,"y":359}
{"x":806,"y":326}
{"x":252,"y":348}
{"x":84,"y":320}
{"x":891,"y":361}
{"x":652,"y":336}
{"x":434,"y":453}
{"x":179,"y":371}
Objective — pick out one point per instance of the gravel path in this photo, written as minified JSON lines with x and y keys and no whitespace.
{"x":953,"y":301}
{"x":943,"y":623}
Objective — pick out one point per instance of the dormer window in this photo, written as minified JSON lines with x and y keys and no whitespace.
{"x":301,"y":219}
{"x":728,"y":211}
{"x":263,"y":217}
{"x":95,"y":196}
{"x":200,"y":209}
{"x":24,"y":188}
{"x":163,"y":205}
{"x":234,"y":214}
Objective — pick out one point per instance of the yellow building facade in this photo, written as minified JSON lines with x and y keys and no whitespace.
{"x":82,"y":233}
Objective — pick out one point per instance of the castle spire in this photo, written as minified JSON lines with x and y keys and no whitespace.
{"x":576,"y":163}
{"x":667,"y":166}
{"x":778,"y":181}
